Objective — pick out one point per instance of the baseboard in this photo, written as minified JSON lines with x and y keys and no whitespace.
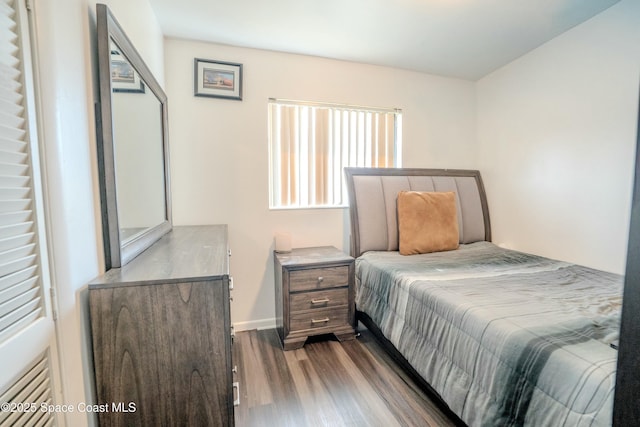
{"x":255,"y":324}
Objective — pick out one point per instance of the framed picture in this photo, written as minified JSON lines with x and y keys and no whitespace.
{"x":217,"y":79}
{"x":124,"y":77}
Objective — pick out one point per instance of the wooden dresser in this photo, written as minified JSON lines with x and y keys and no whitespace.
{"x":314,"y":295}
{"x":162,"y":334}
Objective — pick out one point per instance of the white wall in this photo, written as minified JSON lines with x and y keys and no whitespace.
{"x":556,"y":142}
{"x":67,"y":63}
{"x":219,"y":158}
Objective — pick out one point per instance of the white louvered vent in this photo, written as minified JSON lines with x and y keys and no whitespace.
{"x":21,"y":301}
{"x":26,"y":402}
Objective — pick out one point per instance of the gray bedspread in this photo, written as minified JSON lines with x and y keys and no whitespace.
{"x":505,"y":338}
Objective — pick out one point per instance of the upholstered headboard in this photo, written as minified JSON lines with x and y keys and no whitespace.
{"x":372,"y":203}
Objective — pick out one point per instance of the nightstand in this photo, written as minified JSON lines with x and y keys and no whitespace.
{"x":314,"y":295}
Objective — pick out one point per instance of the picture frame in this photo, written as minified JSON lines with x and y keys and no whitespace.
{"x":217,"y":79}
{"x":124,"y":78}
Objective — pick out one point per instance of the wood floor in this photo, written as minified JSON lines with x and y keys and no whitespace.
{"x":326,"y":383}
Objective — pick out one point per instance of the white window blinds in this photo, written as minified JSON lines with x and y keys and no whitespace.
{"x":21,"y":301}
{"x":311,"y":143}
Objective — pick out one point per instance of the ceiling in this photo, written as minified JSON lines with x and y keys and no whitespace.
{"x":459,"y":38}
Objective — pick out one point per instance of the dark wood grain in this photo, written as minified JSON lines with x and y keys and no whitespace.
{"x":320,"y":299}
{"x":161,"y":333}
{"x":327,"y":383}
{"x":312,"y":274}
{"x":318,"y":278}
{"x":162,"y":347}
{"x":320,"y":319}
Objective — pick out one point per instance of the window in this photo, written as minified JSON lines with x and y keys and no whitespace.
{"x":311,"y":143}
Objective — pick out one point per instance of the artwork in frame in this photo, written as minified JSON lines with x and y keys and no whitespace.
{"x":217,"y":79}
{"x":124,"y":77}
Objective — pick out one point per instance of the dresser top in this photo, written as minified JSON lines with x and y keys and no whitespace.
{"x":310,"y":256}
{"x":187,"y":253}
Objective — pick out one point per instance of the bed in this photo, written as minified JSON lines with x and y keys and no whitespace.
{"x":500,"y":337}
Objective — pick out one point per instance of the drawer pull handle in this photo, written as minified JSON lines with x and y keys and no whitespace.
{"x":236,"y":386}
{"x":314,"y":321}
{"x":320,"y":279}
{"x":320,"y":301}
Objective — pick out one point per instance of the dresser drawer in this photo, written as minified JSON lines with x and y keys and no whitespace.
{"x":318,"y":278}
{"x":316,"y":300}
{"x":319,"y":319}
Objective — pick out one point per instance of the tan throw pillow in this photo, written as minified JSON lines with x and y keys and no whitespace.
{"x":427,"y":222}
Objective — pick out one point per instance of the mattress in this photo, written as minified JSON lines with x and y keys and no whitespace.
{"x":505,"y":338}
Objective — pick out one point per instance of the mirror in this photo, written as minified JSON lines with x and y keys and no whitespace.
{"x":132,"y":147}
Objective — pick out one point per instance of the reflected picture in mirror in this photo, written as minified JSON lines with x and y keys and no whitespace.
{"x":123,"y":76}
{"x":132,"y":147}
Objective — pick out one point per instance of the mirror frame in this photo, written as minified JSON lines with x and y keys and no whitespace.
{"x":116,"y":253}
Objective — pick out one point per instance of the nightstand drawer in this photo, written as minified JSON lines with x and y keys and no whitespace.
{"x":319,"y":299}
{"x":318,"y":319}
{"x":318,"y":278}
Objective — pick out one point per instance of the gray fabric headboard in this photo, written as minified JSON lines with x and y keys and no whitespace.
{"x":372,"y":203}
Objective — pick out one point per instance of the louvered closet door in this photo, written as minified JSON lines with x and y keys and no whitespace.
{"x":26,"y":325}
